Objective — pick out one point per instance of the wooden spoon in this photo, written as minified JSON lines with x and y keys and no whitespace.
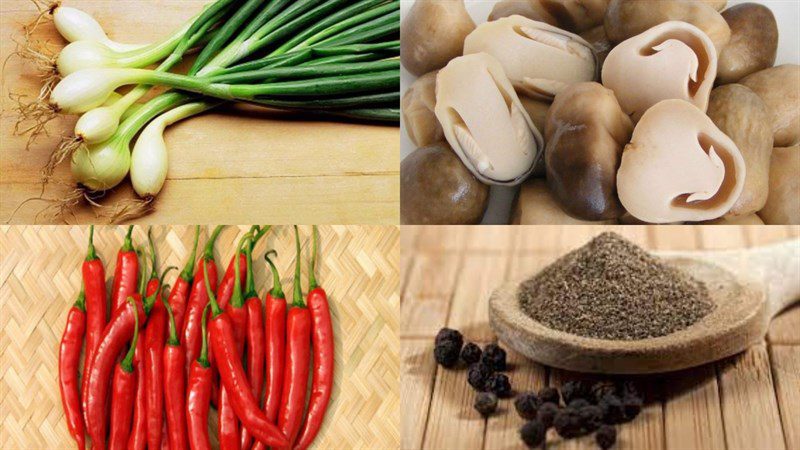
{"x":749,"y":287}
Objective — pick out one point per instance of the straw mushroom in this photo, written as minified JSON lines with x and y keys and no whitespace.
{"x":436,"y":188}
{"x":719,"y":5}
{"x":753,"y":44}
{"x":585,"y":133}
{"x":572,"y":15}
{"x":742,"y":116}
{"x":627,"y":18}
{"x":417,"y":107}
{"x":539,"y":59}
{"x":783,"y":202}
{"x":596,"y":37}
{"x":433,"y":34}
{"x":484,"y":121}
{"x":779,"y":87}
{"x":535,"y":205}
{"x":671,"y":60}
{"x":679,"y":167}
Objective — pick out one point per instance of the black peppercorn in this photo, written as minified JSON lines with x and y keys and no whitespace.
{"x":471,"y":353}
{"x":603,"y":388}
{"x":527,"y":404}
{"x":486,"y":403}
{"x":568,"y":423}
{"x":549,"y":394}
{"x":499,"y":384}
{"x":572,"y":390}
{"x":547,"y":413}
{"x":632,"y":406}
{"x":627,"y":388}
{"x":451,"y":335}
{"x":613,"y":411}
{"x":494,"y":357}
{"x":477,"y":375}
{"x":533,"y":433}
{"x":579,"y":403}
{"x":606,"y":436}
{"x":591,"y":417}
{"x":446,"y":353}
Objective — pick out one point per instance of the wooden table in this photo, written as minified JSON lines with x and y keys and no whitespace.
{"x":268,"y":167}
{"x":749,"y":401}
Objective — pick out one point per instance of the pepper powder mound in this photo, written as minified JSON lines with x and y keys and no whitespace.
{"x":612,"y":289}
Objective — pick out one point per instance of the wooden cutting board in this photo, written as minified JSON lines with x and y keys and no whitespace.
{"x":232,"y":165}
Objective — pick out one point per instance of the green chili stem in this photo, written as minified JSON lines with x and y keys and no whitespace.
{"x":127,"y":245}
{"x":237,"y":301}
{"x":80,"y":302}
{"x":208,"y":252}
{"x":90,"y":253}
{"x":277,"y":289}
{"x":203,"y":358}
{"x":188,"y":271}
{"x":150,"y":301}
{"x":172,"y":339}
{"x":215,"y":309}
{"x":250,"y":285}
{"x":140,"y":254}
{"x":127,"y":362}
{"x":312,"y":280}
{"x":297,"y":299}
{"x":153,"y":261}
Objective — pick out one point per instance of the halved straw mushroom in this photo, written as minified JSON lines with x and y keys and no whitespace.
{"x":539,"y":59}
{"x":484,"y":121}
{"x":673,"y":60}
{"x":417,"y":107}
{"x":679,"y":167}
{"x":572,"y":15}
{"x":585,"y":133}
{"x":433,"y":34}
{"x":627,"y":18}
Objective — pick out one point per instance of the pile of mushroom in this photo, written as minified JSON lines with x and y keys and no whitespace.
{"x":632,"y":111}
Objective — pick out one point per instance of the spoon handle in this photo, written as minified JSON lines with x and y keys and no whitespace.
{"x":776,"y":266}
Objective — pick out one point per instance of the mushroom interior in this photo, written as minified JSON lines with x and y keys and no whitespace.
{"x":679,"y":167}
{"x":671,"y":60}
{"x":484,"y":121}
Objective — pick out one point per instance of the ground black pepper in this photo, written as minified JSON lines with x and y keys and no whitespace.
{"x":612,"y":289}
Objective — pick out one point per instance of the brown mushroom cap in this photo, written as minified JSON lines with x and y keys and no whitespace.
{"x":436,"y":188}
{"x":670,"y":60}
{"x":742,"y":116}
{"x":753,"y":44}
{"x":535,"y":205}
{"x":585,"y":132}
{"x":783,"y":202}
{"x":570,"y":15}
{"x":417,"y":107}
{"x":433,"y":34}
{"x":679,"y":167}
{"x":627,"y":18}
{"x":779,"y":87}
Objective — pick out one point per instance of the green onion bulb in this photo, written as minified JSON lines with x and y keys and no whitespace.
{"x":102,"y":166}
{"x":75,"y":25}
{"x":81,"y":55}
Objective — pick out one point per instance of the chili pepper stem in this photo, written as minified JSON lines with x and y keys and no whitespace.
{"x":90,"y":253}
{"x":154,"y":273}
{"x":80,"y":302}
{"x":173,"y":329}
{"x":312,"y":280}
{"x":128,"y":244}
{"x":188,"y":270}
{"x":277,"y":289}
{"x":297,"y":299}
{"x":212,"y":299}
{"x":203,"y":358}
{"x":208,"y":252}
{"x":237,"y":300}
{"x":127,"y":362}
{"x":150,"y":300}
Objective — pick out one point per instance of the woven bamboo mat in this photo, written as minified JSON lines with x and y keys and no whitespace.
{"x":358,"y":266}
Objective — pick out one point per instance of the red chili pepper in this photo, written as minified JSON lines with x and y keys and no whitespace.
{"x":234,"y":379}
{"x":123,"y":393}
{"x":295,"y":376}
{"x":69,"y":355}
{"x":125,"y":272}
{"x":174,"y":388}
{"x":154,"y":337}
{"x":322,"y":345}
{"x":229,"y":437}
{"x":254,"y":340}
{"x":198,"y":300}
{"x":180,"y":291}
{"x":117,"y":334}
{"x":94,"y":282}
{"x":198,"y":396}
{"x":138,"y":435}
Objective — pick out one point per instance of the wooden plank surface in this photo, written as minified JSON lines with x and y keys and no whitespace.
{"x":267,"y":166}
{"x":745,"y":402}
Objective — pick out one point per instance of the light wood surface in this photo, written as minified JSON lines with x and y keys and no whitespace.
{"x":230,"y":165}
{"x":40,"y":276}
{"x":748,"y":401}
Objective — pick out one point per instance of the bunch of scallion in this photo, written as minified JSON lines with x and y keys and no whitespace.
{"x":334,"y":57}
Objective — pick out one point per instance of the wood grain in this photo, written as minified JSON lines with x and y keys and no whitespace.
{"x":745,"y":402}
{"x":233,"y":165}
